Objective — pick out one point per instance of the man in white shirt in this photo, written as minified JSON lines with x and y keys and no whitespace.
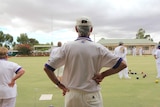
{"x":9,"y":73}
{"x":83,"y":60}
{"x":157,"y":57}
{"x":134,"y":51}
{"x":140,"y":51}
{"x":121,"y":51}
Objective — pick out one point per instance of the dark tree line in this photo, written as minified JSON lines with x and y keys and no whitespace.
{"x":23,"y":44}
{"x":141,"y":35}
{"x":23,"y":39}
{"x":7,"y":40}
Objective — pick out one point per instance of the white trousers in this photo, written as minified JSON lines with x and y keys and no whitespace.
{"x":158,"y":69}
{"x":10,"y":102}
{"x":76,"y":98}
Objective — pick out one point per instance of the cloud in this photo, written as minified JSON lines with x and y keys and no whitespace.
{"x":111,"y":18}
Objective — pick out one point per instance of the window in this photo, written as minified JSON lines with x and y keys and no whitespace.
{"x":146,"y":48}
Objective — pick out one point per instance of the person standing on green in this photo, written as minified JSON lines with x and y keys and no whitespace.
{"x":83,"y":59}
{"x":9,"y":73}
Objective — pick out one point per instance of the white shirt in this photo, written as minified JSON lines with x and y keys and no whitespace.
{"x":7,"y":72}
{"x":53,"y":51}
{"x":82,"y":58}
{"x":121,"y":51}
{"x":157,"y":53}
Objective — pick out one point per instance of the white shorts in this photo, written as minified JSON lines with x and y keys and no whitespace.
{"x":76,"y":98}
{"x":10,"y":102}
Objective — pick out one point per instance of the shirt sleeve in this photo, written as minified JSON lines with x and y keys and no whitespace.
{"x":49,"y":67}
{"x":15,"y":67}
{"x":109,"y":59}
{"x":57,"y":59}
{"x":118,"y":63}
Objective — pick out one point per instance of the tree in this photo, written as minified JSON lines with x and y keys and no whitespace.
{"x":148,"y":37}
{"x":1,"y":38}
{"x":24,"y":49}
{"x":23,"y":39}
{"x":140,"y":34}
{"x":8,"y":40}
{"x":25,"y":44}
{"x":13,"y":44}
{"x":33,"y":41}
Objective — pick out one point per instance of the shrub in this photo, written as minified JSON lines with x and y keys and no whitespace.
{"x":24,"y":49}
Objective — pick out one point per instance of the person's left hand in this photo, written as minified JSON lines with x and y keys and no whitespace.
{"x":98,"y":78}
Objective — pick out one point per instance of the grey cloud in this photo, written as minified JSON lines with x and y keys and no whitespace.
{"x":110,"y":21}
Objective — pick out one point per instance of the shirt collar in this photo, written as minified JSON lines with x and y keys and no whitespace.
{"x":84,"y":38}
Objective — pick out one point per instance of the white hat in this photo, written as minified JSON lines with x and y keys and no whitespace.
{"x":83,"y":21}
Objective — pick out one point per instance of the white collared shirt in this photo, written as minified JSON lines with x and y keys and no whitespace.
{"x":7,"y":72}
{"x":82,"y":58}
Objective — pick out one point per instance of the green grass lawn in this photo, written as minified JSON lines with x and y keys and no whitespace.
{"x":142,"y":92}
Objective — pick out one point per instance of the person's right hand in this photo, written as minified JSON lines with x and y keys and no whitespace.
{"x":64,"y":89}
{"x":11,"y":84}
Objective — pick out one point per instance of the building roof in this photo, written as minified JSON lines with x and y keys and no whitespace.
{"x":44,"y":45}
{"x":115,"y":42}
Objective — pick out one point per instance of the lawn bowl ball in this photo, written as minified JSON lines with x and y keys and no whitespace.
{"x":156,"y":81}
{"x":144,"y":76}
{"x":137,"y":78}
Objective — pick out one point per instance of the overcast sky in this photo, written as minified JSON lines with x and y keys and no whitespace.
{"x":54,"y":20}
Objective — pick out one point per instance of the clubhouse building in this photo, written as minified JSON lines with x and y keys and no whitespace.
{"x":146,"y":45}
